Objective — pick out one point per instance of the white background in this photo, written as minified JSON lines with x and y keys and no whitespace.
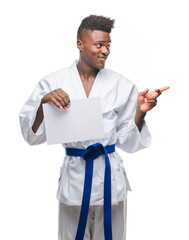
{"x":150,"y":46}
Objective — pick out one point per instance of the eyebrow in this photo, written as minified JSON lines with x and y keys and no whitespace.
{"x":103,"y":41}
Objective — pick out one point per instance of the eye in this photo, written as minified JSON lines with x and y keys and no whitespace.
{"x":98,"y":45}
{"x":108,"y":46}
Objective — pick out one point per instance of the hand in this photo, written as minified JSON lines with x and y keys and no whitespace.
{"x":58,"y":97}
{"x":148,"y":100}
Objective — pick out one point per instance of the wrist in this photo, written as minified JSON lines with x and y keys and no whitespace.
{"x":140,"y":113}
{"x":139,"y":118}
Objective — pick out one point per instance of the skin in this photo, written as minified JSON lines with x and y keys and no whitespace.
{"x":94,"y":47}
{"x":146,"y":101}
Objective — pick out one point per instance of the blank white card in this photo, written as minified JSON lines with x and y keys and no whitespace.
{"x":82,"y":121}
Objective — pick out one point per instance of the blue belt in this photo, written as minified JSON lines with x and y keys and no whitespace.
{"x":89,"y":154}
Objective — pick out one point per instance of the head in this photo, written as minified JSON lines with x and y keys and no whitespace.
{"x":93,"y":40}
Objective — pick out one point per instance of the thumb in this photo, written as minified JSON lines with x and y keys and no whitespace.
{"x":144,"y":92}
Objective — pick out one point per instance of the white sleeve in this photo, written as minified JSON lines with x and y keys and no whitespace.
{"x":129,"y":138}
{"x":28,"y":114}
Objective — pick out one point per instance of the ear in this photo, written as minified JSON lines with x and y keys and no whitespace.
{"x":80,"y":45}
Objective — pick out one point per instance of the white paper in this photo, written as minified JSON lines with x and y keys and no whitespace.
{"x":82,"y":121}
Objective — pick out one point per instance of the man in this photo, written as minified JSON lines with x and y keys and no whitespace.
{"x":123,"y":111}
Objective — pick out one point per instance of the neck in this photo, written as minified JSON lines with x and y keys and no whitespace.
{"x":85,"y":70}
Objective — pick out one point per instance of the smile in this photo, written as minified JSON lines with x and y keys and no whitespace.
{"x":103,"y":58}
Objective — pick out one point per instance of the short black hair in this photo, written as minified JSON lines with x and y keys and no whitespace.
{"x":94,"y":22}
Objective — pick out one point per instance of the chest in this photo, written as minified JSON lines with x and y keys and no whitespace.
{"x":87,"y":85}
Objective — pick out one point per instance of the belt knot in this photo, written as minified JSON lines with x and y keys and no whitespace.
{"x":94,"y":151}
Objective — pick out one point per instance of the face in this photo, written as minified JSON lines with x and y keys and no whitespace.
{"x":94,"y":48}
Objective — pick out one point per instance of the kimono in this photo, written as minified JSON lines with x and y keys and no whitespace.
{"x":118,"y":102}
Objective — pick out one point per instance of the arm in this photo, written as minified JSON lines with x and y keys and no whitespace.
{"x":146,"y":101}
{"x":31,"y":114}
{"x":129,"y":138}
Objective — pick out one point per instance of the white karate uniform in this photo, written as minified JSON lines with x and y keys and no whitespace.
{"x":118,"y":101}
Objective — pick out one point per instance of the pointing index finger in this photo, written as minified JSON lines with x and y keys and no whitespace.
{"x":164,"y":88}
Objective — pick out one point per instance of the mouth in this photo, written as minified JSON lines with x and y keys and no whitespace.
{"x":103,"y":59}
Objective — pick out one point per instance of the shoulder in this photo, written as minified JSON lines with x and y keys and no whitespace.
{"x":116,"y":79}
{"x":54,"y":79}
{"x":57,"y":74}
{"x":61,"y":76}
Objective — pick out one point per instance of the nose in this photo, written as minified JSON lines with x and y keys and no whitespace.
{"x":105,"y":50}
